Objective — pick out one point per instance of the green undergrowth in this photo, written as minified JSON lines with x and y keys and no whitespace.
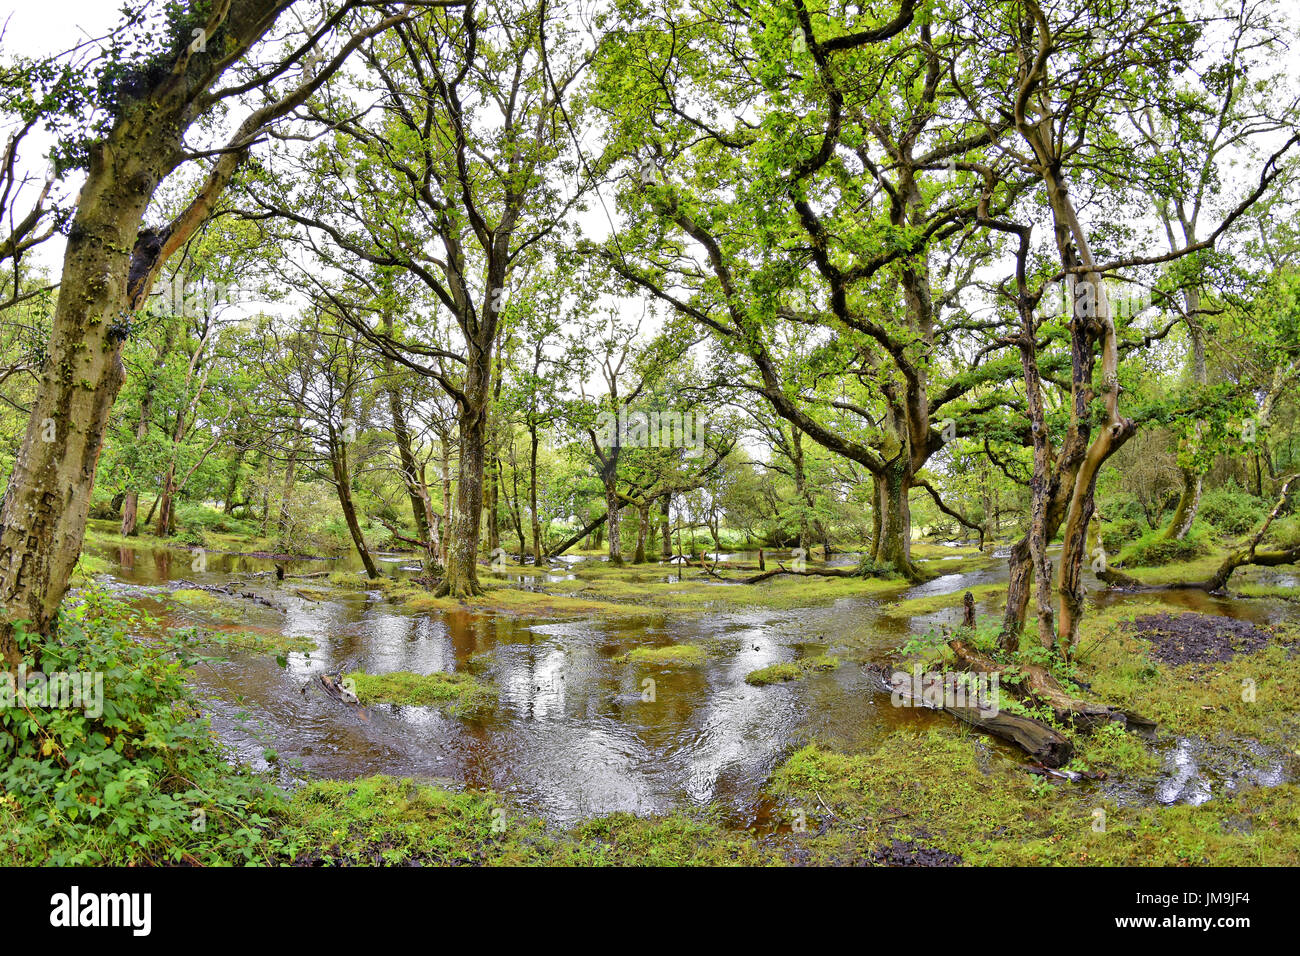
{"x":136,"y":778}
{"x":382,"y":820}
{"x":948,"y":791}
{"x":1153,"y":549}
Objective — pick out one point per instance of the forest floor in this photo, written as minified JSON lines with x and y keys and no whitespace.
{"x":935,"y":795}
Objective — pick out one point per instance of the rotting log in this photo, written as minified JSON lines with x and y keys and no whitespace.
{"x":333,"y":684}
{"x":1037,"y":682}
{"x":1044,"y":743}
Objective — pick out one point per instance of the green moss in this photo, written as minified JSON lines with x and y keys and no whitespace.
{"x":523,"y":602}
{"x":381,"y":820}
{"x":657,"y":586}
{"x":1206,"y":700}
{"x":206,"y":603}
{"x":462,"y":693}
{"x":790,"y":670}
{"x":1278,"y":592}
{"x":994,"y":595}
{"x":946,"y":791}
{"x":684,"y":655}
{"x":349,"y":579}
{"x":942,"y":789}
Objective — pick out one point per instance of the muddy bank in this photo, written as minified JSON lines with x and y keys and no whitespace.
{"x":1192,"y":638}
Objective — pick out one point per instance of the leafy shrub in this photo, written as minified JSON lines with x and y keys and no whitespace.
{"x":1116,"y":534}
{"x":197,"y":518}
{"x":140,"y":778}
{"x":868,"y":567}
{"x":1285,"y":531}
{"x":102,"y":508}
{"x":1231,"y":510}
{"x":1152,"y":550}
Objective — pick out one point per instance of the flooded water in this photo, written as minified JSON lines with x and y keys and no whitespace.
{"x":571,"y":736}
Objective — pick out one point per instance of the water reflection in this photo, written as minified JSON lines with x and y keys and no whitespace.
{"x":574,"y":733}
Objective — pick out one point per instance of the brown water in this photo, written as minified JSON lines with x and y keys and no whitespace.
{"x":571,"y":736}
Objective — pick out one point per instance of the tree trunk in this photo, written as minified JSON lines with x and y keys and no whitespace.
{"x":43,"y":520}
{"x":877,"y":516}
{"x":800,"y":487}
{"x":613,"y":508}
{"x":461,"y":579}
{"x":343,"y":484}
{"x":402,"y":438}
{"x":131,"y":503}
{"x":896,"y":522}
{"x":665,"y":509}
{"x":642,"y":525}
{"x":534,"y":519}
{"x":1189,"y":501}
{"x":232,"y":486}
{"x":445,"y":548}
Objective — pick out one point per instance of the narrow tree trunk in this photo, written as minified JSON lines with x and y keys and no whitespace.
{"x":405,"y":456}
{"x":444,"y":551}
{"x":534,"y":519}
{"x":343,"y":484}
{"x":877,"y":516}
{"x":642,"y":524}
{"x":800,"y":487}
{"x":665,"y":509}
{"x":614,"y":508}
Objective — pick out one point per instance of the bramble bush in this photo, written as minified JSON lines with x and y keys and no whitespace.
{"x":146,"y":782}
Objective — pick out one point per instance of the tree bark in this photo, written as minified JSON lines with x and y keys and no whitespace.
{"x":461,"y":579}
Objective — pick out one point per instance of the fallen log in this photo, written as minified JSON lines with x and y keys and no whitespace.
{"x":1045,"y":744}
{"x":811,"y":573}
{"x":335,"y":687}
{"x":1037,"y":682}
{"x":566,"y":545}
